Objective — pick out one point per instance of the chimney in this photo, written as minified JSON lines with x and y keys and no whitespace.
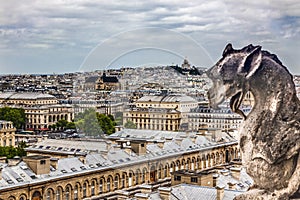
{"x":13,"y":161}
{"x":38,"y":164}
{"x":231,"y":186}
{"x":141,"y":196}
{"x":193,"y":138}
{"x":220,"y":192}
{"x":160,"y":144}
{"x":178,"y":141}
{"x":128,"y":150}
{"x":82,"y":158}
{"x":54,"y":162}
{"x":165,"y":193}
{"x":235,"y":172}
{"x":146,"y":189}
{"x":3,"y":159}
{"x":139,"y":147}
{"x":215,"y":177}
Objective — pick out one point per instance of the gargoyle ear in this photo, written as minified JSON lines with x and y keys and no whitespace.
{"x":252,"y":62}
{"x":228,"y":49}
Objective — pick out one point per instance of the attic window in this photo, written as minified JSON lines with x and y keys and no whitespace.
{"x":42,"y":162}
{"x":73,"y":169}
{"x":63,"y":171}
{"x":98,"y":164}
{"x":19,"y":180}
{"x":33,"y":176}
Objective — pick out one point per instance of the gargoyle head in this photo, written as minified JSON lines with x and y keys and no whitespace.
{"x":230,"y":75}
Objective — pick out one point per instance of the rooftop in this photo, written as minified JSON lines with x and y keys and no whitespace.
{"x":168,"y":98}
{"x":193,"y":192}
{"x":25,"y":95}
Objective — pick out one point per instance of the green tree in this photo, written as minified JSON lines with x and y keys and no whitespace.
{"x":10,"y":151}
{"x":106,"y":123}
{"x":119,"y":118}
{"x":87,"y":122}
{"x":91,"y":124}
{"x":130,"y":125}
{"x":16,"y":115}
{"x":63,"y":124}
{"x":70,"y":125}
{"x":21,"y":149}
{"x":95,"y":124}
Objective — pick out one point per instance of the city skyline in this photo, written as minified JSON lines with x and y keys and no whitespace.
{"x":61,"y":36}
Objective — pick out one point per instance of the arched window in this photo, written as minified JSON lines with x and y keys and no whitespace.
{"x":84,"y":189}
{"x":166,"y":171}
{"x":23,"y":197}
{"x":93,"y":188}
{"x":67,"y":193}
{"x":76,"y":192}
{"x":48,"y":195}
{"x":123,"y":181}
{"x":137,"y":174}
{"x":59,"y":193}
{"x":36,"y":195}
{"x":108,"y":184}
{"x":100,"y":186}
{"x":116,"y":182}
{"x":159,"y":172}
{"x":144,"y":175}
{"x":130,"y":177}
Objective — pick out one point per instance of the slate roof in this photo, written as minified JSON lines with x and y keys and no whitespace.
{"x":167,"y":98}
{"x":192,"y":192}
{"x":100,"y":155}
{"x":91,"y":79}
{"x":71,"y":146}
{"x":25,"y":95}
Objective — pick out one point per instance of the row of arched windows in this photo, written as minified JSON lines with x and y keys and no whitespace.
{"x":99,"y":184}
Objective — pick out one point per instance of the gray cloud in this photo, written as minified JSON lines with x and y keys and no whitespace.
{"x":42,"y":28}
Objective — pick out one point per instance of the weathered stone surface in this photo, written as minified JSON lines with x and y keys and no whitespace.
{"x":270,"y":135}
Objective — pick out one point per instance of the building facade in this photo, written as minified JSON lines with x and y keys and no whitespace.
{"x":224,"y":118}
{"x":118,"y":173}
{"x":41,"y":110}
{"x":7,"y":133}
{"x":160,"y":112}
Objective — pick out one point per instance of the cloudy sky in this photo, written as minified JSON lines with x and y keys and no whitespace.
{"x":56,"y":36}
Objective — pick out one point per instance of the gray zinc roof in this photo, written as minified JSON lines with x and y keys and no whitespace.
{"x":26,"y":95}
{"x":193,"y":192}
{"x":167,"y":98}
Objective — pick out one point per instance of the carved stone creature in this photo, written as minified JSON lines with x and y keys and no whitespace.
{"x":270,"y":134}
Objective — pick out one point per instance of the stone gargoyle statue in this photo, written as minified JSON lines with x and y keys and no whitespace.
{"x":270,"y":135}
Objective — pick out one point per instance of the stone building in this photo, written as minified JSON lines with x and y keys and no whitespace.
{"x":7,"y":133}
{"x":223,"y":119}
{"x":160,"y":112}
{"x":119,"y":172}
{"x":41,"y":110}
